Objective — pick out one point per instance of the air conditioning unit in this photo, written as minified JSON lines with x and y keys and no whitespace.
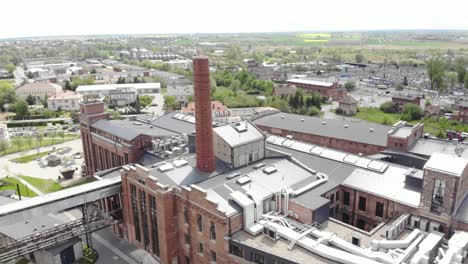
{"x":423,"y":225}
{"x":434,"y":226}
{"x":415,"y":221}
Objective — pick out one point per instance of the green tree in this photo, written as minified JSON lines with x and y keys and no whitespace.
{"x":4,"y":145}
{"x":170,"y":102}
{"x":405,"y":81}
{"x":460,"y":68}
{"x":436,"y":72}
{"x":29,"y":141}
{"x":466,"y":81}
{"x":31,"y":100}
{"x":350,"y":86}
{"x":61,"y":134}
{"x":412,"y":112}
{"x":400,"y":87}
{"x":388,"y":107}
{"x":39,"y":138}
{"x":145,"y":100}
{"x":452,"y":79}
{"x":115,"y":114}
{"x":7,"y":94}
{"x":21,"y":109}
{"x":235,"y":85}
{"x":18,"y":142}
{"x":10,"y":68}
{"x":359,"y":58}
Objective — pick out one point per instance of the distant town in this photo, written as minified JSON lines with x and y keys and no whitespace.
{"x":314,"y":147}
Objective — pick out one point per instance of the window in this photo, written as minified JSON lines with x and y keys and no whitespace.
{"x":346,"y":198}
{"x":361,"y":224}
{"x":213,"y":256}
{"x":379,"y":209}
{"x":200,"y":248}
{"x":236,"y":251}
{"x":186,"y":216}
{"x":136,"y":217}
{"x":200,"y":223}
{"x":438,"y":195}
{"x":258,"y":258}
{"x":187,"y":239}
{"x":362,"y":204}
{"x":212,"y":231}
{"x":337,"y":196}
{"x":187,"y":260}
{"x":154,"y":224}
{"x":332,"y":198}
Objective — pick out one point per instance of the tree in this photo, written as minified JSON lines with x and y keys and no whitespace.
{"x":460,"y":68}
{"x":18,"y":142}
{"x":350,"y":86}
{"x":4,"y":145}
{"x":21,"y":109}
{"x":412,"y":112}
{"x":436,"y":72}
{"x":62,"y":135}
{"x":7,"y":94}
{"x":452,"y":79}
{"x":29,"y":141}
{"x":31,"y":100}
{"x":170,"y":102}
{"x":235,"y":85}
{"x":67,"y":85}
{"x":400,"y":87}
{"x":115,"y":114}
{"x":145,"y":100}
{"x":359,"y":58}
{"x":388,"y":107}
{"x":405,"y":81}
{"x":39,"y":138}
{"x":466,"y":81}
{"x":10,"y":68}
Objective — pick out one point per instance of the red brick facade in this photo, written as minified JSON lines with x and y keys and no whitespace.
{"x":340,"y":144}
{"x":333,"y":91}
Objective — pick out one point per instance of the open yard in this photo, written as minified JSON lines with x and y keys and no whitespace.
{"x":45,"y":185}
{"x":12,"y":185}
{"x":24,"y":143}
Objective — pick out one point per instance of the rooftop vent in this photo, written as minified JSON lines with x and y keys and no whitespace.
{"x":282,"y":117}
{"x":232,"y":175}
{"x":243,"y":180}
{"x":270,"y":169}
{"x":302,"y":119}
{"x":346,"y":126}
{"x":241,"y":128}
{"x":258,"y":166}
{"x":180,"y":163}
{"x":323,"y":123}
{"x":371,"y":129}
{"x":137,"y":123}
{"x":166,"y":167}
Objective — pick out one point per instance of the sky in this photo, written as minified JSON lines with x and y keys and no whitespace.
{"x":23,"y":18}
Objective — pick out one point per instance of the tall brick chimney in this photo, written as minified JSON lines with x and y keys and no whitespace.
{"x":203,"y":124}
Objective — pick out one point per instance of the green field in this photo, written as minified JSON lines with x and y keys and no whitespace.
{"x":45,"y":186}
{"x":25,"y":191}
{"x":29,"y":158}
{"x":47,"y":141}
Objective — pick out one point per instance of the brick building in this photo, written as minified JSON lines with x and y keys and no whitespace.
{"x":280,"y":204}
{"x":331,"y":91}
{"x":462,"y":107}
{"x":349,"y":105}
{"x":355,"y":137}
{"x":402,"y":100}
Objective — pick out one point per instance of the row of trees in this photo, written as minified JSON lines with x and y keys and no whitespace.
{"x":443,"y":73}
{"x":30,"y":141}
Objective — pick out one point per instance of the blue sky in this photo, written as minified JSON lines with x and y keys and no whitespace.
{"x":21,"y":18}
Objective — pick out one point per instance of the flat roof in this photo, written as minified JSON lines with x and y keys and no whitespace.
{"x":356,"y":130}
{"x":390,"y":184}
{"x":428,"y":146}
{"x":108,"y":87}
{"x":403,"y":132}
{"x":312,"y":82}
{"x":33,"y":226}
{"x":445,"y":163}
{"x":239,"y":133}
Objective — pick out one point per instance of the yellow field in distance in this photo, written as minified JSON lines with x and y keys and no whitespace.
{"x":315,"y":35}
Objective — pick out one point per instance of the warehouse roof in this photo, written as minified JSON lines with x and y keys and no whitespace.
{"x":446,"y":164}
{"x":352,"y":130}
{"x":239,"y":134}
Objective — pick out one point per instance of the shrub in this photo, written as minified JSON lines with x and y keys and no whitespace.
{"x":388,"y":107}
{"x":349,"y":86}
{"x":412,"y":112}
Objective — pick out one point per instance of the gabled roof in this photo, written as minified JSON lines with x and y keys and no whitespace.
{"x":348,"y":100}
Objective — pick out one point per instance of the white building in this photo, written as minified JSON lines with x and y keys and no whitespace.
{"x":66,"y":100}
{"x":104,"y":89}
{"x":122,"y":97}
{"x":180,"y":88}
{"x":38,"y":90}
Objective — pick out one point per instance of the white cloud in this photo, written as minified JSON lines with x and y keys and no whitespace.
{"x":61,"y":17}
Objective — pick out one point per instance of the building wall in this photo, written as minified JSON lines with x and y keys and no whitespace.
{"x":404,"y":144}
{"x":71,"y":104}
{"x":340,"y":144}
{"x":348,"y":109}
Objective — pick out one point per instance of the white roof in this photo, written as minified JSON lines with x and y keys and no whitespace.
{"x":313,"y":82}
{"x":390,"y":185}
{"x":446,"y":164}
{"x":234,"y":137}
{"x":108,"y":87}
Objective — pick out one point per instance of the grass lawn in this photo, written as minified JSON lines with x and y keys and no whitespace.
{"x":29,"y":158}
{"x":432,"y":126}
{"x":377,"y":116}
{"x":25,"y":191}
{"x":46,"y":186}
{"x":47,"y":141}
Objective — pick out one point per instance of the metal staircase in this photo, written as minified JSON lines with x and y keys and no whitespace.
{"x":303,"y":231}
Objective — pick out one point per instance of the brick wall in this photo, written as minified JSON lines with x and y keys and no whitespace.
{"x":340,"y":144}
